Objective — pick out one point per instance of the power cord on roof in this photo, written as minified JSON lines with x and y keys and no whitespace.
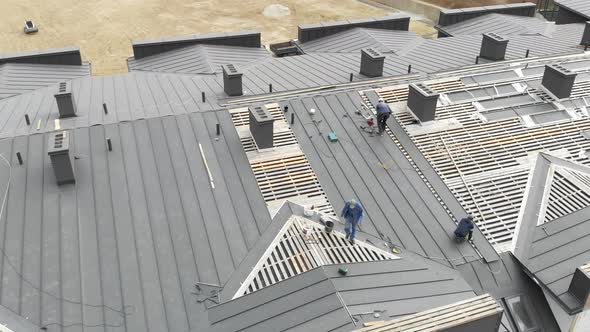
{"x":123,"y":313}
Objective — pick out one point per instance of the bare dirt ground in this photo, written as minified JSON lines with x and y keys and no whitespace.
{"x":471,"y":3}
{"x":104,"y":28}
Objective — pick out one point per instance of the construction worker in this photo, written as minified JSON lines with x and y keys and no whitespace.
{"x":464,"y":229}
{"x":353,"y":215}
{"x":383,"y":113}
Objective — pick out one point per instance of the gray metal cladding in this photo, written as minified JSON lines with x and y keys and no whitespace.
{"x":572,"y":11}
{"x":58,"y":56}
{"x":580,"y":285}
{"x":586,"y":36}
{"x":143,"y":48}
{"x":308,"y":32}
{"x":452,"y":16}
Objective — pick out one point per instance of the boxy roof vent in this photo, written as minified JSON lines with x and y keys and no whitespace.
{"x":66,"y":105}
{"x":580,"y":284}
{"x":586,"y":36}
{"x":232,"y":80}
{"x":372,"y":62}
{"x":262,"y":126}
{"x":61,"y":158}
{"x":558,"y":80}
{"x":493,"y":47}
{"x":422,"y":101}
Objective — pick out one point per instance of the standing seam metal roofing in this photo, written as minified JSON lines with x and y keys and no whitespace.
{"x":199,"y":59}
{"x":321,"y":299}
{"x":141,"y":225}
{"x":581,"y":7}
{"x":500,"y":24}
{"x":19,"y":78}
{"x":386,"y":41}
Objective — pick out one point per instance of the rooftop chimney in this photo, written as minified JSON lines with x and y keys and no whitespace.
{"x":65,"y":100}
{"x":372,"y":62}
{"x":558,"y":80}
{"x":586,"y":36}
{"x":232,"y":80}
{"x":261,"y":126}
{"x":580,"y":285}
{"x":61,"y":159}
{"x":493,"y":47}
{"x":422,"y":101}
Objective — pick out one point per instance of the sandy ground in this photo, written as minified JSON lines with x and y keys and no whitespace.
{"x":471,"y":3}
{"x":104,"y":28}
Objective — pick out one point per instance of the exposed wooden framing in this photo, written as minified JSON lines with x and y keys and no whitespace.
{"x":488,"y":155}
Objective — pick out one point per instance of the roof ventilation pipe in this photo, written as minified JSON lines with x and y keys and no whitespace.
{"x":558,"y":80}
{"x":66,"y":104}
{"x":232,"y":80}
{"x":580,"y":285}
{"x":422,"y":101}
{"x":493,"y":47}
{"x":586,"y":36}
{"x":61,"y":158}
{"x":261,"y":126}
{"x":372,"y":62}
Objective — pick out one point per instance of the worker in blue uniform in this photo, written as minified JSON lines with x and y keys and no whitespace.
{"x":464,"y":229}
{"x":353,"y":215}
{"x":383,"y":113}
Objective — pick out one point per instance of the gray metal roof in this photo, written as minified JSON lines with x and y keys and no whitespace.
{"x":139,"y":227}
{"x":199,"y":59}
{"x":19,"y":78}
{"x":386,"y":41}
{"x":502,"y":24}
{"x":398,"y":203}
{"x":581,"y":7}
{"x":321,"y":299}
{"x":128,"y":97}
{"x":552,"y":250}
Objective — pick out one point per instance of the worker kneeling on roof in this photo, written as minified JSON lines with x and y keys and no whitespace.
{"x":465,"y":229}
{"x":353,"y":215}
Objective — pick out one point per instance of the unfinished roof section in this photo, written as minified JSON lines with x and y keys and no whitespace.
{"x":350,"y":41}
{"x":399,"y":205}
{"x":501,"y":24}
{"x":480,"y":313}
{"x":19,"y":78}
{"x":308,"y":32}
{"x":551,"y":246}
{"x":297,"y":242}
{"x":199,"y":59}
{"x":143,"y":48}
{"x":324,"y":299}
{"x":166,"y":204}
{"x":488,"y":125}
